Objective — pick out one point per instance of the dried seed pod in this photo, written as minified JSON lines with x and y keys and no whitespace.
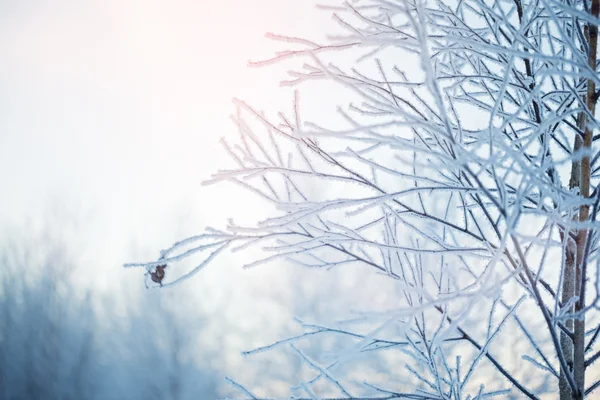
{"x":158,"y":274}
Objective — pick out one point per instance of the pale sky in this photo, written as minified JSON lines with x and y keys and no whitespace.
{"x":116,"y":107}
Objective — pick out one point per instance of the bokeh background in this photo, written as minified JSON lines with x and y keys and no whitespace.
{"x":110,"y":118}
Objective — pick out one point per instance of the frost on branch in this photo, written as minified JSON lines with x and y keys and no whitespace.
{"x":464,"y":169}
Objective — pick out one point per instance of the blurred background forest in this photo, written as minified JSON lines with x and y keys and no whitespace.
{"x":75,"y":329}
{"x":62,"y":338}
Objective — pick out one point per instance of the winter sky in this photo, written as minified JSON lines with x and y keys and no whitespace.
{"x":114,"y":109}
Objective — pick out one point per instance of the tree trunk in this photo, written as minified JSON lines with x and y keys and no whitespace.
{"x":574,"y":275}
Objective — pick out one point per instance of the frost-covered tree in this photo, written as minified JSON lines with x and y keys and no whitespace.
{"x":462,"y":163}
